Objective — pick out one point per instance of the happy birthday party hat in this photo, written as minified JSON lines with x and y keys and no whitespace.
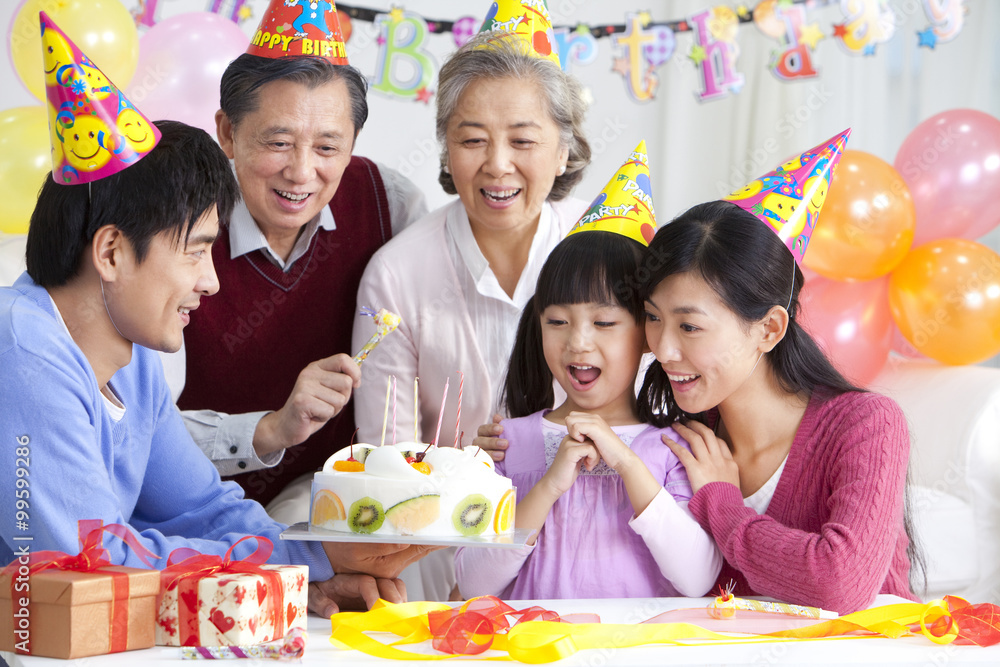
{"x":625,"y":205}
{"x":789,"y":199}
{"x":95,"y":130}
{"x":300,"y":28}
{"x":529,"y":19}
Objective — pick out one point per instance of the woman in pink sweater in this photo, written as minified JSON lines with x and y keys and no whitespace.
{"x":799,"y":476}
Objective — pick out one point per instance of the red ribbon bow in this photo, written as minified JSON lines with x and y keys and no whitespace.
{"x":93,"y":557}
{"x":469,"y":629}
{"x":977,"y":624}
{"x":186,"y":567}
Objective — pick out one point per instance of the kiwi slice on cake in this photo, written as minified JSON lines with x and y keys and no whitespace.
{"x":472,"y":514}
{"x":366,"y":516}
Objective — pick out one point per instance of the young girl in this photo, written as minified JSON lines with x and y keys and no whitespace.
{"x":607,"y":498}
{"x":798,"y":475}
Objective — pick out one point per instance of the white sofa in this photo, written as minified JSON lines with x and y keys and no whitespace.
{"x":954,"y":416}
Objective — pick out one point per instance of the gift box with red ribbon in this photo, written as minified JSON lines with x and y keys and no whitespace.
{"x":211,"y":601}
{"x":59,"y":605}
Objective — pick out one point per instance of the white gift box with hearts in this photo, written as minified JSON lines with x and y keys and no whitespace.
{"x":233,"y":608}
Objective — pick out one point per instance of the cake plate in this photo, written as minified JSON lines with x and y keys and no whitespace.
{"x":306,"y":532}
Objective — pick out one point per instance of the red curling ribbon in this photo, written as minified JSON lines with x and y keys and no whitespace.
{"x":977,"y":624}
{"x":186,"y":567}
{"x":471,"y":628}
{"x":93,"y":558}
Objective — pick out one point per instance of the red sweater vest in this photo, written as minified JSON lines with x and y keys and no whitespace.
{"x":247,"y":344}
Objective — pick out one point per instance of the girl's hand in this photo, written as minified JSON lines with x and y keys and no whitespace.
{"x":709,"y":459}
{"x":488,"y":439}
{"x":583,"y":426}
{"x":566,"y":467}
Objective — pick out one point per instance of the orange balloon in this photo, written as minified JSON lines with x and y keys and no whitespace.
{"x":945,"y":299}
{"x":866,"y":225}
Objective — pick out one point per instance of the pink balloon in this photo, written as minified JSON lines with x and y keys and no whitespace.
{"x":951,"y":164}
{"x":851,"y":322}
{"x":181,"y":61}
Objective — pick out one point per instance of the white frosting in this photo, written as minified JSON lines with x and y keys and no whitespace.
{"x":388,"y":462}
{"x":410,"y":501}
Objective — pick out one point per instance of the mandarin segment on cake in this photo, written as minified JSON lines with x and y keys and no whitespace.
{"x":412,"y":489}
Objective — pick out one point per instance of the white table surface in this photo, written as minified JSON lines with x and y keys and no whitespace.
{"x":915,"y":650}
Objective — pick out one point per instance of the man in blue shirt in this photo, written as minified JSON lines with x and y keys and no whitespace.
{"x":115,"y":268}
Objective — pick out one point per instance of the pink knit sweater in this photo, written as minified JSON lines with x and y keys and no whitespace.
{"x":833,"y":534}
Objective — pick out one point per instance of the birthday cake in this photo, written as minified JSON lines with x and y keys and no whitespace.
{"x":411,"y":489}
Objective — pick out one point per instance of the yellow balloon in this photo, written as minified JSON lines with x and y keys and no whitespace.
{"x":25,"y":158}
{"x":945,"y":299}
{"x":103,"y":29}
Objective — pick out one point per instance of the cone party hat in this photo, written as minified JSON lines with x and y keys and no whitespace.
{"x":95,"y":130}
{"x":789,"y":199}
{"x":300,"y":28}
{"x":529,"y":19}
{"x":625,"y":205}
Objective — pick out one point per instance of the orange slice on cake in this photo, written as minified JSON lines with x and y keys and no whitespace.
{"x":504,"y":517}
{"x":327,"y":507}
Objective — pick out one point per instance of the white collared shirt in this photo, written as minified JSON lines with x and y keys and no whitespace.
{"x":494,"y":314}
{"x":406,"y":205}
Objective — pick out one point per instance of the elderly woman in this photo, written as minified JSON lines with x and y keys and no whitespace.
{"x":511,"y":130}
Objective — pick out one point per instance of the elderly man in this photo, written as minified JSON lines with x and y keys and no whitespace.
{"x":262,"y":369}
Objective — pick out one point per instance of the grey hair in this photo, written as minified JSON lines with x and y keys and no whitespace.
{"x":500,"y":55}
{"x":239,"y":90}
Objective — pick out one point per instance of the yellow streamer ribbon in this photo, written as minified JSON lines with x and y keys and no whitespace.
{"x":537,"y":642}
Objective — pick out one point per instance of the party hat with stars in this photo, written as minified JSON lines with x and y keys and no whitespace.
{"x":95,"y":131}
{"x":788,"y":200}
{"x":530,"y":19}
{"x":625,"y":205}
{"x":300,"y":28}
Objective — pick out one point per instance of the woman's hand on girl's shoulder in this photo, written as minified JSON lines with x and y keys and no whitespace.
{"x":709,"y":459}
{"x":584,"y":426}
{"x":488,"y":439}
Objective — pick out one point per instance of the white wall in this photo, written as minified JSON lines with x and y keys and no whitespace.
{"x":698,"y":151}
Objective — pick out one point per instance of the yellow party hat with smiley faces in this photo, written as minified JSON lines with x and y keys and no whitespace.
{"x":789,"y":199}
{"x":95,"y":130}
{"x":625,"y":205}
{"x":530,"y":20}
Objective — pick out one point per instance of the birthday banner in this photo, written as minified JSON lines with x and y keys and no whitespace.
{"x":640,"y":45}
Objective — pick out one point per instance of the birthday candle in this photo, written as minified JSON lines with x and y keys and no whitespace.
{"x":393,"y":409}
{"x":416,"y":400}
{"x":385,"y":417}
{"x":444,"y":398}
{"x":458,"y":417}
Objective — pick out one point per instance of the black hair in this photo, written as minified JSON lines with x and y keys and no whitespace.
{"x":586,"y":267}
{"x":239,"y":90}
{"x":168,"y":190}
{"x":751,"y":271}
